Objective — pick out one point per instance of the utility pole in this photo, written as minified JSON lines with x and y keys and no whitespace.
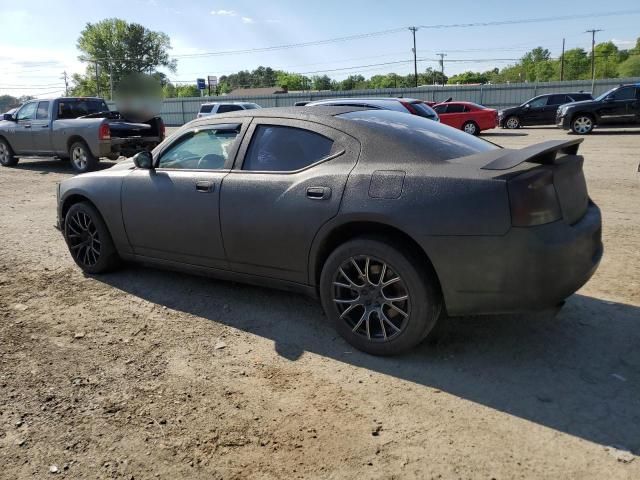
{"x":97,"y":81}
{"x":66,"y":83}
{"x":442,"y":55}
{"x":110,"y":78}
{"x":593,"y":55}
{"x":415,"y":53}
{"x":562,"y":62}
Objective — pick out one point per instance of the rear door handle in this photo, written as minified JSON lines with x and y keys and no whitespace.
{"x":205,"y":186}
{"x":318,"y":193}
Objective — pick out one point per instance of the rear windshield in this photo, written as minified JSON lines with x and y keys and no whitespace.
{"x":78,"y":107}
{"x":250,"y":106}
{"x":206,"y":108}
{"x":439,"y":141}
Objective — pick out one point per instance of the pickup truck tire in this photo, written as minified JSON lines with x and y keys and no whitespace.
{"x":82,"y":160}
{"x":7,"y":157}
{"x":89,"y":240}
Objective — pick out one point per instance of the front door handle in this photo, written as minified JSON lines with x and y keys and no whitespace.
{"x":27,"y":125}
{"x":318,"y":193}
{"x":205,"y":186}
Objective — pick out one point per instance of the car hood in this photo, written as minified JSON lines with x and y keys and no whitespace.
{"x":507,"y":111}
{"x":581,"y":102}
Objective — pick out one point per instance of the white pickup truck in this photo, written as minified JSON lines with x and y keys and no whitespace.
{"x":81,"y":129}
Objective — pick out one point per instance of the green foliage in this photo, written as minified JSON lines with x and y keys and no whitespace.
{"x":7,"y":102}
{"x":120,"y":48}
{"x":630,"y":67}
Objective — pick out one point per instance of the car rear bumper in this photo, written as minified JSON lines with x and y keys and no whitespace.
{"x":526,"y":269}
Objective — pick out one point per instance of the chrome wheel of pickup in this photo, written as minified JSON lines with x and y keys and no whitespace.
{"x":7,"y":159}
{"x":82,"y":160}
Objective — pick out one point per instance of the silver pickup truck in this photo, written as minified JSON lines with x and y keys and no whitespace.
{"x":80,"y":129}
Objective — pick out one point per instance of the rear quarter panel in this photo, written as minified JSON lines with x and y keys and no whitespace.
{"x":85,"y":128}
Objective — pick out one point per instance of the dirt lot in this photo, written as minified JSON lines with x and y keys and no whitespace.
{"x":150,"y":374}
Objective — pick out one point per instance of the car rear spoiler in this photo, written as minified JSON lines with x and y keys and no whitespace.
{"x":543,"y":153}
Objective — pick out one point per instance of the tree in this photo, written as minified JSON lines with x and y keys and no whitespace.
{"x":8,"y":102}
{"x":118,"y":48}
{"x":607,"y":58}
{"x":630,"y":67}
{"x":321,"y":83}
{"x":576,"y":64}
{"x":469,"y":77}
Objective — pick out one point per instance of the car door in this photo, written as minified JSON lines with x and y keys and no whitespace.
{"x":617,"y":108}
{"x":20,"y":137}
{"x":548,"y":116}
{"x":171,"y":212}
{"x":636,"y":105}
{"x":287,"y":181}
{"x":534,"y":114}
{"x":41,"y":129}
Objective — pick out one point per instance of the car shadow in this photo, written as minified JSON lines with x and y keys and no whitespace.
{"x":503,"y":134}
{"x":577,"y":372}
{"x":54,"y":165}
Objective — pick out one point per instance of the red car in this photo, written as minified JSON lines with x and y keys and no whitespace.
{"x":467,"y":116}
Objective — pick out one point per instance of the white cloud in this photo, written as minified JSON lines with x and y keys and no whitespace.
{"x":623,"y":43}
{"x":248,"y":20}
{"x":224,"y":13}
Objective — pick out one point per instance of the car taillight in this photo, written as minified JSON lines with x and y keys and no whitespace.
{"x":409,"y":107}
{"x":104,"y":133}
{"x":163,"y":129}
{"x":533,"y":199}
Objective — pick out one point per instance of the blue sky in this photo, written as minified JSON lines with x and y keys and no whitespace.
{"x":39,"y":37}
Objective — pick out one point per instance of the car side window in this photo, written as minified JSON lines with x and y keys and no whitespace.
{"x":625,"y":93}
{"x":206,"y":108}
{"x":455,"y":108}
{"x":558,"y":100}
{"x":285,"y":149}
{"x":27,"y":112}
{"x":43,"y":111}
{"x":440,"y":108}
{"x":229,"y":108}
{"x":204,"y":149}
{"x":539,"y":102}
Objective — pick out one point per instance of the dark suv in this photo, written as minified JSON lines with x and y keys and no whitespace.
{"x":619,"y":106}
{"x":540,"y":110}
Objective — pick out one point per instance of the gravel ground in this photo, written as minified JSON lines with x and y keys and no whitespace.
{"x":151,"y":374}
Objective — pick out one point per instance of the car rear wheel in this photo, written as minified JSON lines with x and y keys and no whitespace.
{"x":82,"y":160}
{"x":582,"y":124}
{"x":471,"y":128}
{"x":512,"y":122}
{"x":381,"y":300}
{"x":7,"y":158}
{"x":88,"y":239}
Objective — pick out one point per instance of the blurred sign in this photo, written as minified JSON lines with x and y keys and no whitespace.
{"x":213,"y":80}
{"x":201,"y":84}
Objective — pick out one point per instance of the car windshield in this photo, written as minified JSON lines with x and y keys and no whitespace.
{"x":604,"y":95}
{"x":440,"y":141}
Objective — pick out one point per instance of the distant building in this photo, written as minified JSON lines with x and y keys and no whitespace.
{"x":257,"y":92}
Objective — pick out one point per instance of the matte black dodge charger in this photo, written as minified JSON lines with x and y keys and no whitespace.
{"x":392,"y":219}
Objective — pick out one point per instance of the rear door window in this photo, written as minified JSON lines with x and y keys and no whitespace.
{"x":43,"y":111}
{"x":625,"y":93}
{"x":206,"y":108}
{"x":229,"y":108}
{"x":577,"y":97}
{"x":285,"y":149}
{"x":558,"y":99}
{"x":455,"y":108}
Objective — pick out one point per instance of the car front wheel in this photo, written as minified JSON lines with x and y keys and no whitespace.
{"x":512,"y":122}
{"x":7,"y":158}
{"x":381,"y":300}
{"x":582,"y":124}
{"x":88,"y":239}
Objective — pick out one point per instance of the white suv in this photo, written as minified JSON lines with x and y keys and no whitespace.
{"x":212,"y":108}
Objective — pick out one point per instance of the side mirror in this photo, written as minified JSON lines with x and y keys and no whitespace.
{"x":527,"y":106}
{"x":8,"y":116}
{"x":609,"y":98}
{"x":143,"y":160}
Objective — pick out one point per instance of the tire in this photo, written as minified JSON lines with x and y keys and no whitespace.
{"x":82,"y":160}
{"x":471,"y":128}
{"x":512,"y":122}
{"x":353,"y":302}
{"x":7,"y":157}
{"x":582,"y":124}
{"x":89,"y":240}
